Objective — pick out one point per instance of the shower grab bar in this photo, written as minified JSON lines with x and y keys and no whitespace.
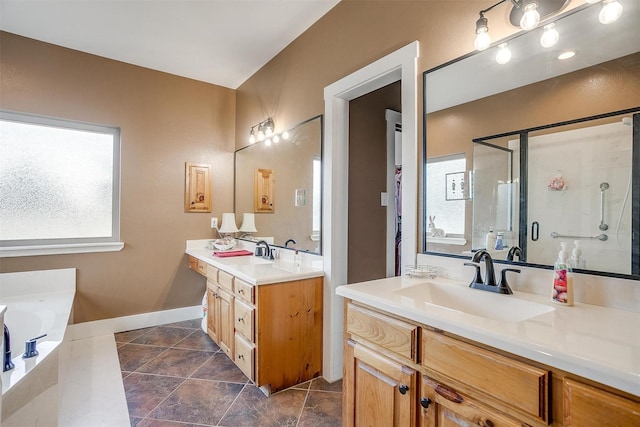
{"x":603,"y":187}
{"x":602,"y":237}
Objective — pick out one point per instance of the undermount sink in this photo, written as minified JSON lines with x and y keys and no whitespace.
{"x":246,"y":260}
{"x":504,"y":308}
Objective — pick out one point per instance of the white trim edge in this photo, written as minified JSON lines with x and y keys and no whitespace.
{"x":72,"y":248}
{"x":96,"y":328}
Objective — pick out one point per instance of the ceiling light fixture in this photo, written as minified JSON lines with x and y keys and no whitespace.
{"x":531,"y":17}
{"x":566,"y":55}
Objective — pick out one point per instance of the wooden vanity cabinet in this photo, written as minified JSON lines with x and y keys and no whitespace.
{"x":272,"y":332}
{"x":379,"y":391}
{"x":397,"y":372}
{"x":587,"y":406}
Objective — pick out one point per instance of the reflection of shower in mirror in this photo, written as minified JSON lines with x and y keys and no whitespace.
{"x":627,"y":121}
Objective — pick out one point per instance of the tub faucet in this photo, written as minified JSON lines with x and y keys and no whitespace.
{"x":7,"y":364}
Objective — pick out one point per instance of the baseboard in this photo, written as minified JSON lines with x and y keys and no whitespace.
{"x":96,"y":328}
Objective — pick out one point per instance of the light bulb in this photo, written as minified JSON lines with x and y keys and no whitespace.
{"x":268,"y":131}
{"x":252,"y":137}
{"x":550,"y":35}
{"x":267,"y":142}
{"x":611,"y":11}
{"x":260,"y":133}
{"x":483,"y":40}
{"x":566,"y":55}
{"x":285,"y":135}
{"x":276,"y":138}
{"x":531,"y":17}
{"x":504,"y":54}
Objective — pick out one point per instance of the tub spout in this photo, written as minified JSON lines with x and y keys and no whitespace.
{"x":7,"y":364}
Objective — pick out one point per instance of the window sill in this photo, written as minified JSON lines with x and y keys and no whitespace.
{"x":78,"y":248}
{"x":459,"y":241}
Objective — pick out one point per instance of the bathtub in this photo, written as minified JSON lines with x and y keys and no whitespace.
{"x":37,"y":303}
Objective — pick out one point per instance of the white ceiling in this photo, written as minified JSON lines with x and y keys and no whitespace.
{"x":222,"y":42}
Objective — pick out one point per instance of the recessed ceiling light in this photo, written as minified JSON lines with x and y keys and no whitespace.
{"x":566,"y":55}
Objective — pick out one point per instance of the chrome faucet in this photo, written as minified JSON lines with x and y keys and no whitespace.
{"x":265,"y":252}
{"x":489,"y":284}
{"x":7,"y":364}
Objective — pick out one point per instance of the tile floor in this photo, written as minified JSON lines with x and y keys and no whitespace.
{"x":175,"y":376}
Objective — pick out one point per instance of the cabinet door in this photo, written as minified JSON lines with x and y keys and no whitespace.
{"x":212,"y":311}
{"x":587,"y":406}
{"x":225,"y":327}
{"x":442,"y":406}
{"x":377,"y":390}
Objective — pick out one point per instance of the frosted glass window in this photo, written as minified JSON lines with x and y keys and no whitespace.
{"x":448,"y":215}
{"x":59,"y":181}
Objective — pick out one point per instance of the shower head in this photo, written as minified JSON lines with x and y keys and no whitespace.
{"x":627,"y":121}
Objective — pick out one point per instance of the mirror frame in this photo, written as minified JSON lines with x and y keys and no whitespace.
{"x":635,"y":218}
{"x":321,"y":154}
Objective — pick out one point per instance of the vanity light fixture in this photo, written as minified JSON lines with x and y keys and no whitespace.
{"x":265,"y":129}
{"x":504,"y":54}
{"x":550,"y":35}
{"x":611,"y":11}
{"x":531,"y":17}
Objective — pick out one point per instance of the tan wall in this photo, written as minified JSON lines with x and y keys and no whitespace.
{"x":350,"y":36}
{"x":165,"y":121}
{"x":367,"y":179}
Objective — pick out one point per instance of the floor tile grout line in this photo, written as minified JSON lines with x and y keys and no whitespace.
{"x":303,"y":405}
{"x":232,"y":403}
{"x":163,"y":400}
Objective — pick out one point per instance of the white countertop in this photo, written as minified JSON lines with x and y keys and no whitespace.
{"x":258,"y":271}
{"x":598,"y":343}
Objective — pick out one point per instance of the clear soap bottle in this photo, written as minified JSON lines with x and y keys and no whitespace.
{"x":562,"y":278}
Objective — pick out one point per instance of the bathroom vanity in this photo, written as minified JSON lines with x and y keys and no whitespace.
{"x":432,"y":352}
{"x":265,"y":315}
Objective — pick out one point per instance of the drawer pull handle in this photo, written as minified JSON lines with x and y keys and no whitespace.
{"x":240,"y":319}
{"x":448,"y":393}
{"x":487,"y":423}
{"x":240,"y":356}
{"x":403,"y":389}
{"x":425,"y":402}
{"x":241,"y":291}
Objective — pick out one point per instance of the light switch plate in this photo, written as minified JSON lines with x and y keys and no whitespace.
{"x":384,"y":199}
{"x":214,"y":222}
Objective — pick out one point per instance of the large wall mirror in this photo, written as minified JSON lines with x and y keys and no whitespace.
{"x":280,"y":183}
{"x":539,"y":151}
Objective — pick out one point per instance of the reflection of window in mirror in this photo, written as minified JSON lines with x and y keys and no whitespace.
{"x":445,"y":215}
{"x":317,"y":171}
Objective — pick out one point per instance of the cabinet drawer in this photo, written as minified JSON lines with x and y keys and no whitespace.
{"x":212,"y":273}
{"x":244,"y":290}
{"x":518,"y":385}
{"x":225,"y":280}
{"x":244,"y":318}
{"x":588,"y":406}
{"x":392,"y":334}
{"x":245,"y":353}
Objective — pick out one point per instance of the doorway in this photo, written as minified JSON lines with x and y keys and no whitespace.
{"x":400,"y":65}
{"x":371,"y":200}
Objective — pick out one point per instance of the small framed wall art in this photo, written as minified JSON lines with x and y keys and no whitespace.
{"x":197,"y":189}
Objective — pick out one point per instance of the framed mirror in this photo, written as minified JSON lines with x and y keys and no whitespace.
{"x":536,"y":139}
{"x":280,"y":184}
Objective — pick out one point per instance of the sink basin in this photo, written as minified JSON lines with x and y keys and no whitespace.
{"x":246,"y":260}
{"x":504,"y":308}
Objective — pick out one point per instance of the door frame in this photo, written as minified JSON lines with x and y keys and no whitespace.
{"x":399,"y":65}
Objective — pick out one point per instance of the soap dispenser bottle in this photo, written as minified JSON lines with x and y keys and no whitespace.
{"x":562,"y":278}
{"x":577,"y":261}
{"x":490,"y":239}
